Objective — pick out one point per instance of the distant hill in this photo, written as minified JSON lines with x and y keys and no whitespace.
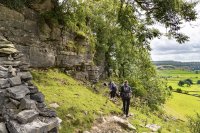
{"x":177,"y":64}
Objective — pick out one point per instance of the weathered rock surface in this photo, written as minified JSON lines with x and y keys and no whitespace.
{"x":14,"y":81}
{"x":43,"y":45}
{"x":4,"y":83}
{"x":112,"y":124}
{"x":3,"y":128}
{"x":22,"y":107}
{"x":39,"y":97}
{"x":26,"y":103}
{"x":17,"y":92}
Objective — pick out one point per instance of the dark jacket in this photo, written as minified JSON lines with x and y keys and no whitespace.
{"x":125,"y":92}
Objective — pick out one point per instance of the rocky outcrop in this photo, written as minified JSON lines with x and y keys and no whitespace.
{"x":46,"y":45}
{"x":20,"y":100}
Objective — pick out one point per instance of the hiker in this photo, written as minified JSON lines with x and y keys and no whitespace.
{"x":113,"y":89}
{"x":125,"y":93}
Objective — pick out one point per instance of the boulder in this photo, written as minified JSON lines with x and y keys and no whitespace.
{"x":39,"y":97}
{"x":26,"y":103}
{"x":27,"y":116}
{"x":15,"y":81}
{"x":4,"y":83}
{"x":17,"y":92}
{"x":3,"y":128}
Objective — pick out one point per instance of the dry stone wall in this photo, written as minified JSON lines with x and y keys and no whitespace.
{"x":22,"y":107}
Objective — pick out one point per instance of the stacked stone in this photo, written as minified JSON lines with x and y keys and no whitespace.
{"x":22,"y":107}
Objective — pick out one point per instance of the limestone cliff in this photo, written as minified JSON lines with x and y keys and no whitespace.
{"x":46,"y":45}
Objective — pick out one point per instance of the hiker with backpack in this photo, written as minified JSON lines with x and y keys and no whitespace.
{"x":113,"y":89}
{"x":125,"y":93}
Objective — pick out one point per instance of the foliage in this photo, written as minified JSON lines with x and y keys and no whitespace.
{"x":178,"y":90}
{"x":194,"y":123}
{"x":198,"y":81}
{"x":181,"y":83}
{"x":189,"y":80}
{"x":14,"y":4}
{"x":122,"y":33}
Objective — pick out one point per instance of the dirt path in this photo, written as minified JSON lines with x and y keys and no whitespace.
{"x":112,"y":124}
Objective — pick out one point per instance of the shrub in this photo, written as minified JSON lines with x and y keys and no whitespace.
{"x":14,"y":4}
{"x":179,"y":90}
{"x":194,"y":123}
{"x":181,"y":83}
{"x":188,"y":83}
{"x":170,"y":88}
{"x":198,"y":81}
{"x":189,"y":80}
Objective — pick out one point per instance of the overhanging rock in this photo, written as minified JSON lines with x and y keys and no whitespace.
{"x":20,"y":100}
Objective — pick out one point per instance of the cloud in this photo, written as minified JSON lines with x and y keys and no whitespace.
{"x":169,"y":49}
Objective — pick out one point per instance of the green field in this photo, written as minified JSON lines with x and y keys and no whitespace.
{"x":182,"y":105}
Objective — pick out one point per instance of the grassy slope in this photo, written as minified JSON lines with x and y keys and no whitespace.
{"x":84,"y":105}
{"x":182,"y":105}
{"x":73,"y":98}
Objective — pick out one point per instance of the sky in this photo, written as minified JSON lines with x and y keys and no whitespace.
{"x":169,"y":49}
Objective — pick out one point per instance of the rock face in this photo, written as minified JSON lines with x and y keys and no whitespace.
{"x":45,"y":45}
{"x":19,"y":98}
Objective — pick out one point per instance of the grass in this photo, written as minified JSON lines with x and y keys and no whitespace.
{"x":84,"y":104}
{"x":182,"y":105}
{"x":74,"y":98}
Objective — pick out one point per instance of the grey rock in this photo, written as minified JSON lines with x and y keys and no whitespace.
{"x":3,"y":128}
{"x":153,"y":127}
{"x":8,"y":50}
{"x":51,"y":122}
{"x":15,"y":81}
{"x":27,"y":116}
{"x":15,"y":102}
{"x":4,"y":83}
{"x":39,"y":97}
{"x":11,"y":71}
{"x":47,"y":112}
{"x":25,"y":76}
{"x":54,"y":105}
{"x":41,"y":105}
{"x":3,"y":68}
{"x":3,"y":74}
{"x":33,"y":89}
{"x":17,"y":92}
{"x":2,"y":98}
{"x":41,"y":57}
{"x":10,"y":105}
{"x":27,"y":104}
{"x":33,"y":127}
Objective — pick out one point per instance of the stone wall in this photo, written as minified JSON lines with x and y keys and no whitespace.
{"x":43,"y":45}
{"x":22,"y":107}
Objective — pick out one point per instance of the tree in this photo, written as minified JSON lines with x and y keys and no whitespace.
{"x":121,"y":30}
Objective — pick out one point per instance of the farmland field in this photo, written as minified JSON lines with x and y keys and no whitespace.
{"x":184,"y":104}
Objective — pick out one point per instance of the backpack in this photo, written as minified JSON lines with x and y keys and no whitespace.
{"x":114,"y":88}
{"x":126,"y":94}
